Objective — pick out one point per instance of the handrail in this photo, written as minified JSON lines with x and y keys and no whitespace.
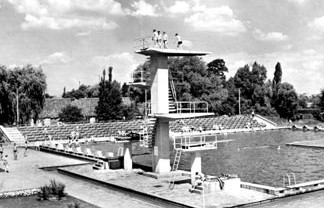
{"x":294,"y":177}
{"x":3,"y":132}
{"x":171,"y":83}
{"x":183,"y":107}
{"x":147,"y":42}
{"x":289,"y":179}
{"x":140,"y":76}
{"x":196,"y":141}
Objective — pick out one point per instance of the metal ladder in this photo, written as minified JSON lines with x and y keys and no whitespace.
{"x":289,"y":179}
{"x":174,"y":169}
{"x":120,"y":151}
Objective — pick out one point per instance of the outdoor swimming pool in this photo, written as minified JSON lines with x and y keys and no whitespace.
{"x":254,"y":156}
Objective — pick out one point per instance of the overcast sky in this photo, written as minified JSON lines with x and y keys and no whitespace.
{"x":73,"y":40}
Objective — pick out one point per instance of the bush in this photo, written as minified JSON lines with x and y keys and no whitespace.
{"x":74,"y":205}
{"x":60,"y":191}
{"x":54,"y":189}
{"x":44,"y":193}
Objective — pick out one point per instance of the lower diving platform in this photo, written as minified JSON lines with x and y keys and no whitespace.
{"x":196,"y":141}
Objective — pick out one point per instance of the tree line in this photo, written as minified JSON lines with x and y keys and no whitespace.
{"x":196,"y":80}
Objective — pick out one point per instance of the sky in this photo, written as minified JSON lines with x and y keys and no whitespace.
{"x":74,"y":40}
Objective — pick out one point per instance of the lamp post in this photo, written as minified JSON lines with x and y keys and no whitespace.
{"x":17,"y":107}
{"x":239,"y":100}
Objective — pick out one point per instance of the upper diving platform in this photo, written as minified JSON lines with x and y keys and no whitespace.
{"x":170,"y":52}
{"x":148,"y":47}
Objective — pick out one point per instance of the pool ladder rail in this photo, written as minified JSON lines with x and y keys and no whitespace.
{"x":174,"y":169}
{"x":287,"y":179}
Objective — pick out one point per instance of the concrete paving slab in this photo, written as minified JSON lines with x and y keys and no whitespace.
{"x":159,"y":189}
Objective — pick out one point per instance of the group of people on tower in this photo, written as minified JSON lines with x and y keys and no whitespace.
{"x":161,"y":40}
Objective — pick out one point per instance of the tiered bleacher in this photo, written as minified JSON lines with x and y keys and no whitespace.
{"x":216,"y":123}
{"x":109,"y":129}
{"x":87,"y":130}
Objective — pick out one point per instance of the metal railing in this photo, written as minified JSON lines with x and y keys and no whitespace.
{"x":146,"y":42}
{"x":172,"y":87}
{"x":288,"y":180}
{"x":195,"y":141}
{"x":182,"y":107}
{"x":140,"y":76}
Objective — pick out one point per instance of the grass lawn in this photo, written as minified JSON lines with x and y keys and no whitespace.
{"x":33,"y":202}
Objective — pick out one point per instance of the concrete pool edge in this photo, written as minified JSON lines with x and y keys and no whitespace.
{"x":135,"y":193}
{"x":276,"y":192}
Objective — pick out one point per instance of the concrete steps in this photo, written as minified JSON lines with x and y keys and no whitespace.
{"x":14,"y":135}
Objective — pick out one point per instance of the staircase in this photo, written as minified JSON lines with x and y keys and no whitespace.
{"x":14,"y":135}
{"x":174,"y":169}
{"x":148,"y":137}
{"x":100,"y":165}
{"x":172,"y":95}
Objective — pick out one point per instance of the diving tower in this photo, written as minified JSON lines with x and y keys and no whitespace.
{"x":157,"y":79}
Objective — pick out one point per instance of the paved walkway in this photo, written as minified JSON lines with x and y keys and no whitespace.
{"x":25,"y":173}
{"x":159,"y":188}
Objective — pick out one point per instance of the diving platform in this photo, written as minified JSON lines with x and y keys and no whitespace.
{"x":170,"y":52}
{"x":196,"y":141}
{"x":176,"y":116}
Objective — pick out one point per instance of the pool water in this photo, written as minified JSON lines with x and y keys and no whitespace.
{"x":254,"y":156}
{"x":263,"y":157}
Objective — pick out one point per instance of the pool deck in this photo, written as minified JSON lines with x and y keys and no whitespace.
{"x":308,"y":144}
{"x":158,"y":189}
{"x":116,"y":188}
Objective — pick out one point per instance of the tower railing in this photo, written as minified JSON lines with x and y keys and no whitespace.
{"x":182,"y":107}
{"x":146,"y":42}
{"x":141,"y":76}
{"x":172,"y":87}
{"x":188,"y":142}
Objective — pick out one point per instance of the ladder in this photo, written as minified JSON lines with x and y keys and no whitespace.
{"x":290,"y":177}
{"x":174,"y":169}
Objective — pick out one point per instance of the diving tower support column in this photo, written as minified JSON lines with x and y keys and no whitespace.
{"x":195,"y":165}
{"x":128,"y":162}
{"x":160,"y":105}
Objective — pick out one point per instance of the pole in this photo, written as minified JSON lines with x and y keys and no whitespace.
{"x":17,"y":97}
{"x":145,"y":103}
{"x":239,"y":97}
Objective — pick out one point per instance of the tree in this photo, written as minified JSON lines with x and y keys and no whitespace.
{"x":30,"y":82}
{"x":277,"y":75}
{"x":195,"y":81}
{"x":276,"y":81}
{"x":84,"y":91}
{"x":218,"y":68}
{"x":110,"y":99}
{"x":320,"y":103}
{"x":287,"y":101}
{"x":6,"y":113}
{"x":71,"y":114}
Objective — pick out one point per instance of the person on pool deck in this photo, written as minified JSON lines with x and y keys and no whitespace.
{"x":5,"y":163}
{"x":15,"y":151}
{"x":199,"y":179}
{"x":26,"y":148}
{"x":1,"y":151}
